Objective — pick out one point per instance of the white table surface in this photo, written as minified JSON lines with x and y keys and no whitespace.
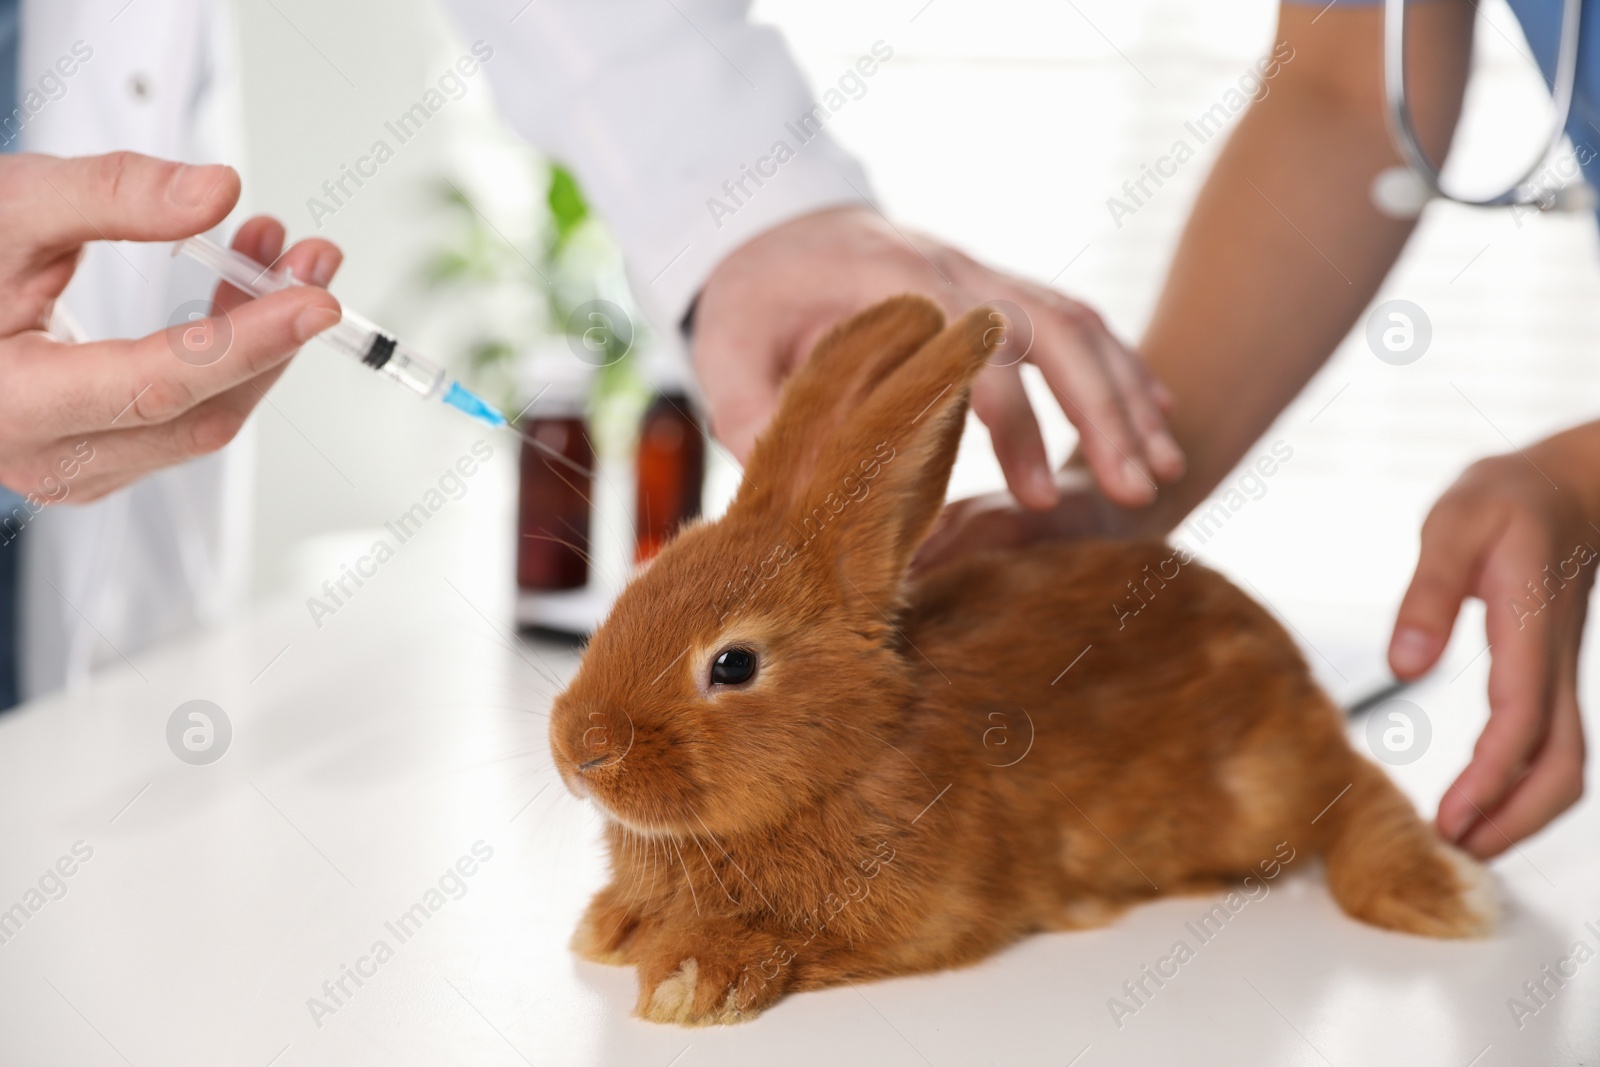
{"x":369,"y":755}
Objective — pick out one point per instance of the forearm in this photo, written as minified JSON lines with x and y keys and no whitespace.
{"x":1284,"y":249}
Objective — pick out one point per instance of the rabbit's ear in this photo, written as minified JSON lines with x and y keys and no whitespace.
{"x":824,"y":394}
{"x":880,"y":480}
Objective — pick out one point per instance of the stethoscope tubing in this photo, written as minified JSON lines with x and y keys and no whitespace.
{"x":1403,"y":130}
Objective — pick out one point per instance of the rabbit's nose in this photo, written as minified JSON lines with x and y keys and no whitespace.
{"x":600,"y":737}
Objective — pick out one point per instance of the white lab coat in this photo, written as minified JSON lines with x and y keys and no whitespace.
{"x":102,"y":580}
{"x":653,"y":105}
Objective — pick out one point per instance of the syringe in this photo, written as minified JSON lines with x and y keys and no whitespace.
{"x":353,"y":335}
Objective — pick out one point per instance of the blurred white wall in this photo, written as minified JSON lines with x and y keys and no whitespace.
{"x":340,"y":452}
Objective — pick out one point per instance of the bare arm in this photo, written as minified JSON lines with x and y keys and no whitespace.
{"x":1284,"y":249}
{"x":1281,"y":252}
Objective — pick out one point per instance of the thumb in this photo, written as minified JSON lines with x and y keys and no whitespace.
{"x":1452,"y":545}
{"x":57,"y":204}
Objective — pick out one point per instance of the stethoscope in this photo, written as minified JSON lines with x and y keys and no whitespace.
{"x":1403,"y":191}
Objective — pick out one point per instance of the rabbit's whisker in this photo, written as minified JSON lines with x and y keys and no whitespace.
{"x":712,"y":868}
{"x":650,"y":894}
{"x":564,"y":543}
{"x":686,"y":879}
{"x":622,"y":916}
{"x":735,"y":863}
{"x":581,"y":494}
{"x":635,"y":844}
{"x":881,"y":741}
{"x":516,"y":710}
{"x":588,"y":558}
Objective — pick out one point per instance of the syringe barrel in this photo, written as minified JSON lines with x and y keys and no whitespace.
{"x":382,"y":352}
{"x":353,"y":335}
{"x":235,"y":268}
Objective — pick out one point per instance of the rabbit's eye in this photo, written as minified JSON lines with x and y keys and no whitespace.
{"x":733,"y":666}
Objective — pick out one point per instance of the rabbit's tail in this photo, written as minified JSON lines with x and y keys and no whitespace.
{"x":1388,"y":868}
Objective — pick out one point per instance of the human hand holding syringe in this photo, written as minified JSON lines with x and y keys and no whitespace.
{"x":125,"y":400}
{"x":353,"y":335}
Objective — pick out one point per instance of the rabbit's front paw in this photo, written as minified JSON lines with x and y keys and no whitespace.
{"x":605,"y":930}
{"x":714,"y":984}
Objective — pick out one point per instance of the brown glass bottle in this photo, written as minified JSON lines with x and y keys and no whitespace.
{"x":671,"y":472}
{"x":553,"y":497}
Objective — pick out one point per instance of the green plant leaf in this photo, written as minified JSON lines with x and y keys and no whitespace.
{"x":448,"y":265}
{"x":568,"y":209}
{"x":490,"y":351}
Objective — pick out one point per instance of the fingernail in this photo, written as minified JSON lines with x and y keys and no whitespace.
{"x":1411,"y":650}
{"x":1041,"y":487}
{"x":313,"y":320}
{"x":192,"y":186}
{"x":1166,"y":456}
{"x":324,"y":267}
{"x":1453,"y":825}
{"x":1136,"y":477}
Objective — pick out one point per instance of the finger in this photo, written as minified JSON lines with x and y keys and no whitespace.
{"x":1001,"y":404}
{"x":1139,"y":396}
{"x":261,"y":239}
{"x":312,"y":261}
{"x":1553,"y":784}
{"x":90,"y":387}
{"x":1144,"y":399}
{"x":1523,"y":673}
{"x":1164,"y":398}
{"x":1454,"y":540}
{"x":62,"y":203}
{"x":741,"y":388}
{"x":121,"y":456}
{"x":1066,"y":354}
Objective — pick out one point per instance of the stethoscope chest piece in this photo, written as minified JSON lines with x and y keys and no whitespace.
{"x":1401,"y":193}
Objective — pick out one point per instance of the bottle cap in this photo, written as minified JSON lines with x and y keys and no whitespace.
{"x":665,"y":369}
{"x":553,"y":380}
